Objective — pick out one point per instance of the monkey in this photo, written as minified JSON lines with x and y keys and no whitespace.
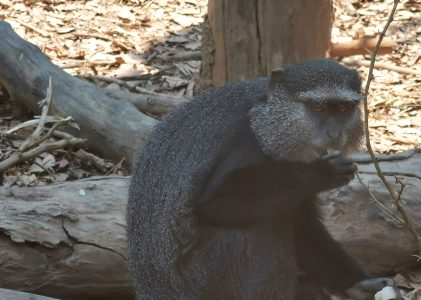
{"x":223,"y":200}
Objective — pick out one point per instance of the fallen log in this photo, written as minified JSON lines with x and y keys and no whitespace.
{"x":359,"y":224}
{"x":114,"y":129}
{"x":15,"y":295}
{"x":68,"y":240}
{"x":154,"y":103}
{"x":362,"y":46}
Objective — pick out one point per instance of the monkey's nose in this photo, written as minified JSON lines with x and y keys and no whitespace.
{"x":333,"y":134}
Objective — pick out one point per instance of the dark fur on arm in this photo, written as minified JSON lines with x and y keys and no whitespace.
{"x":260,"y":192}
{"x":320,"y":256}
{"x":263,"y":191}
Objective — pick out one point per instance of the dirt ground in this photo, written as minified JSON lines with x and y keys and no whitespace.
{"x":120,"y":38}
{"x":161,"y":40}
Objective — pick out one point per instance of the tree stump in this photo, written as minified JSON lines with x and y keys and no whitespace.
{"x":250,"y":38}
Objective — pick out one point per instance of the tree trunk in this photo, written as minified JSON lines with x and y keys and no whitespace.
{"x":68,"y":240}
{"x":250,"y":38}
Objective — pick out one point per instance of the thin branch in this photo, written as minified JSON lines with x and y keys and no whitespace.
{"x":99,"y":163}
{"x":36,"y":144}
{"x":60,"y":123}
{"x":29,"y":123}
{"x":386,"y":210}
{"x":408,"y":222}
{"x":45,"y":104}
{"x":46,"y":147}
{"x":403,"y":185}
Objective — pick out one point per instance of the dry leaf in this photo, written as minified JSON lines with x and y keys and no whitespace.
{"x":126,"y":14}
{"x":174,"y":82}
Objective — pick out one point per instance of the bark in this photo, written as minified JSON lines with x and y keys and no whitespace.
{"x":114,"y":129}
{"x":68,"y":240}
{"x":250,"y":38}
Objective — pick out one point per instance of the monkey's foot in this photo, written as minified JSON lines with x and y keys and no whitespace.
{"x":366,"y":289}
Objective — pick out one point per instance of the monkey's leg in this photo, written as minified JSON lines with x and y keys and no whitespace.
{"x":321,"y":257}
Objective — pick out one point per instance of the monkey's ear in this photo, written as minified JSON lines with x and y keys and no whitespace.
{"x":278,"y":74}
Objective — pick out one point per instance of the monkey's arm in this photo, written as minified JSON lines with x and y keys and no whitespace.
{"x":248,"y":186}
{"x":266,"y":189}
{"x":260,"y":192}
{"x":320,"y":256}
{"x":324,"y":260}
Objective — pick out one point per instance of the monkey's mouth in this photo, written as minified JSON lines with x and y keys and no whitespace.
{"x":320,"y":152}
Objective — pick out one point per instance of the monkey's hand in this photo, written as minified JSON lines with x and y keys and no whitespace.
{"x":366,"y":289}
{"x":336,"y":171}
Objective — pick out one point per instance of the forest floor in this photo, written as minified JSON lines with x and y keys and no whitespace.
{"x":162,"y":38}
{"x":120,"y":38}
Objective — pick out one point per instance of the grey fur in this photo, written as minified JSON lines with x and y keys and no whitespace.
{"x":318,"y":83}
{"x":321,"y":94}
{"x":169,"y":175}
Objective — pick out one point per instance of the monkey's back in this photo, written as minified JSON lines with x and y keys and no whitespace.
{"x":168,"y":177}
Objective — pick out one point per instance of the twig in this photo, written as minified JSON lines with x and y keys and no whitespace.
{"x":408,"y":222}
{"x":60,"y":123}
{"x":45,"y":169}
{"x":386,"y":210}
{"x":98,"y":163}
{"x":362,"y":63}
{"x":121,"y":80}
{"x":114,"y":169}
{"x":403,"y":185}
{"x":104,"y":38}
{"x":105,"y":79}
{"x":62,"y":135}
{"x":45,"y":104}
{"x":48,"y":119}
{"x":82,"y":63}
{"x":40,"y":32}
{"x":33,"y":145}
{"x":21,"y":157}
{"x":181,"y":56}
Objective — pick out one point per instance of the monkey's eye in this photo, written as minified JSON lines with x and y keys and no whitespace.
{"x":318,"y":107}
{"x":343,"y":107}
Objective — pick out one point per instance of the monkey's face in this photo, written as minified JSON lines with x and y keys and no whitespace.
{"x":337,"y":126}
{"x":312,"y":108}
{"x":305,"y":131}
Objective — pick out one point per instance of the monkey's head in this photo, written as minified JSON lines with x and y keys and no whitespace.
{"x":311,"y":108}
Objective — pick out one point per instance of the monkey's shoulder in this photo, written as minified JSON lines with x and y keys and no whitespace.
{"x":203,"y":140}
{"x":223,"y":103}
{"x":244,"y":152}
{"x":207,"y":125}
